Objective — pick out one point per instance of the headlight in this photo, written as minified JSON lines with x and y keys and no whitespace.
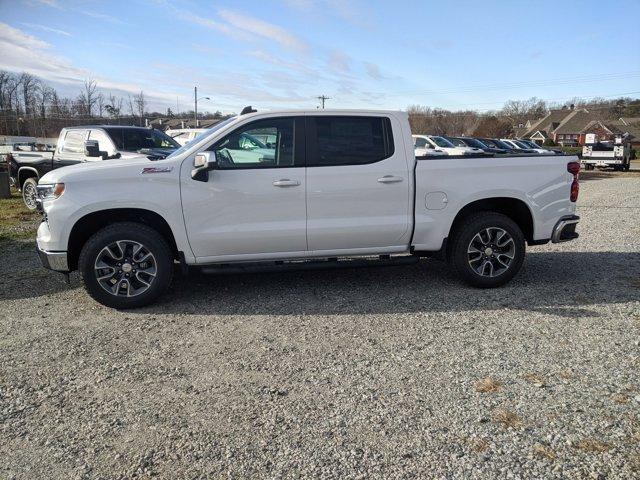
{"x":50,"y":191}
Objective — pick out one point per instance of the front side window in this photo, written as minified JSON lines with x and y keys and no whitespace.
{"x":350,"y":140}
{"x":265,"y":143}
{"x":134,"y":139}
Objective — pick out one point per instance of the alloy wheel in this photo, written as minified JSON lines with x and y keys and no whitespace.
{"x":125,"y":268}
{"x":491,"y":252}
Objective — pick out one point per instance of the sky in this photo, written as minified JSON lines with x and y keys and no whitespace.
{"x":275,"y":54}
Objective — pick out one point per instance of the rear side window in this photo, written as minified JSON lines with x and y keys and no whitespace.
{"x":342,"y":140}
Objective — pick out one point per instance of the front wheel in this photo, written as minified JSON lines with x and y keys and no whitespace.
{"x":487,"y":250}
{"x":126,"y":265}
{"x":30,"y":193}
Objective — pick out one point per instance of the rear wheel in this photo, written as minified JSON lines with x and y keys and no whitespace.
{"x":126,"y":265}
{"x":30,"y":193}
{"x":487,"y":249}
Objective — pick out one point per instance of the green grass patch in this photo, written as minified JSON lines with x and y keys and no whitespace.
{"x":17,"y":223}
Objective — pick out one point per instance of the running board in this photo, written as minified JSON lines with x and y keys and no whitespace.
{"x":233,"y":268}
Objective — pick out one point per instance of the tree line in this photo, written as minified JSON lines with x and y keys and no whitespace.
{"x":31,"y":107}
{"x":515,"y":113}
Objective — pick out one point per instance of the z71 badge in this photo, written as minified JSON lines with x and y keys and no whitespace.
{"x":156,"y":170}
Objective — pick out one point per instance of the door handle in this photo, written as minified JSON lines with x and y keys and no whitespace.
{"x":390,"y":179}
{"x":285,"y":182}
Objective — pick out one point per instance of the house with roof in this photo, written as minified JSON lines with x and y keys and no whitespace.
{"x":569,"y":128}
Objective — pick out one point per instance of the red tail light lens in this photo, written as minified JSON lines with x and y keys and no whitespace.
{"x":575,"y":190}
{"x":573,"y":168}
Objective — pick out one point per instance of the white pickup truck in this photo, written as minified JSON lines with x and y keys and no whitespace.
{"x":336,"y":187}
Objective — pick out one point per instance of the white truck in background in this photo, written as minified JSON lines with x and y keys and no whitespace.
{"x":616,"y":153}
{"x":326,"y":189}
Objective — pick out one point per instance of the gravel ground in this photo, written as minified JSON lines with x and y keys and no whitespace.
{"x":377,"y":373}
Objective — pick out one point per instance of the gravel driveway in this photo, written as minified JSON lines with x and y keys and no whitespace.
{"x":374,"y":373}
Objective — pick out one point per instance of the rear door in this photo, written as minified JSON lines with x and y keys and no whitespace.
{"x":358,"y":185}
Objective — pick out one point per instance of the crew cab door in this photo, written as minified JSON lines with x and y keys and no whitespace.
{"x":358,"y":185}
{"x":253,"y":205}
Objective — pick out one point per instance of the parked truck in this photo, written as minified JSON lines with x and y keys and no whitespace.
{"x":602,"y":154}
{"x":337,"y":188}
{"x":84,"y":144}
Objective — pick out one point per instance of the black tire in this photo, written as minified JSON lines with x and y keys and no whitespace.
{"x":462,"y":259}
{"x":128,"y":234}
{"x":29,"y":193}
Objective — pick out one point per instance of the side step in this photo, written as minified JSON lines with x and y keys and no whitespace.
{"x":259,"y":267}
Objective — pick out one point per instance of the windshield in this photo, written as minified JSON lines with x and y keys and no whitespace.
{"x":442,"y":142}
{"x":530,"y":143}
{"x":134,"y":139}
{"x":501,"y":144}
{"x":202,"y":135}
{"x":472,"y":142}
{"x":521,"y":144}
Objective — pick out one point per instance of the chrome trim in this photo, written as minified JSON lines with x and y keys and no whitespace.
{"x":560,"y":226}
{"x":54,"y":260}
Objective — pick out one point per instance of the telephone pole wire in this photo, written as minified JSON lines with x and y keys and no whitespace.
{"x":322,"y":99}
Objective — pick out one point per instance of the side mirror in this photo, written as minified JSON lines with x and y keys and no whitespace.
{"x":202,"y":163}
{"x":91,"y":148}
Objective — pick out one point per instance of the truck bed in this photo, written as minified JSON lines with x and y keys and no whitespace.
{"x":443,"y":186}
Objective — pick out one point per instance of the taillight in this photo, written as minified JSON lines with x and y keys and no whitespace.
{"x":574,"y":169}
{"x":575,"y":190}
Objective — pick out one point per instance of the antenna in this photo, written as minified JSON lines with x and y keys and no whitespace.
{"x":322,"y":99}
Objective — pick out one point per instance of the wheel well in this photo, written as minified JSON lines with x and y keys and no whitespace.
{"x":91,"y":223}
{"x":24,"y":174}
{"x":515,"y":209}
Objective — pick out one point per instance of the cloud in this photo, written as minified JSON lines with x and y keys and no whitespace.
{"x":264,"y":29}
{"x":46,"y":29}
{"x":339,"y":62}
{"x":48,"y":3}
{"x":103,"y":16}
{"x":22,"y":52}
{"x":373,"y":71}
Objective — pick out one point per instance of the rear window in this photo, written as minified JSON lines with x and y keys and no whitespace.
{"x":345,"y":140}
{"x":74,"y":141}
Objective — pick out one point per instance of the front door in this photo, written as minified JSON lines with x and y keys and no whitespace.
{"x":358,"y":185}
{"x":253,"y":205}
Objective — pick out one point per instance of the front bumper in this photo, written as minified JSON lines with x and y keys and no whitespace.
{"x":53,"y":260}
{"x":565,"y":229}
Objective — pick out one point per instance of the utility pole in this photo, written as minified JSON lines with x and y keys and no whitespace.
{"x":195,"y":97}
{"x":322,"y":99}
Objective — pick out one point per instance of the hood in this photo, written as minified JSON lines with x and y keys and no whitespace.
{"x":155,"y":153}
{"x":84,"y":169}
{"x":463,"y":150}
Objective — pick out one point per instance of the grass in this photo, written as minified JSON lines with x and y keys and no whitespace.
{"x":488,"y":385}
{"x":17,"y":223}
{"x":481,"y":445}
{"x":507,"y":418}
{"x":535,"y":379}
{"x":544,"y":451}
{"x":592,"y":445}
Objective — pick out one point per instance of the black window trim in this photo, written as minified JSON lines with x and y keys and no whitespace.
{"x":299,"y":140}
{"x":312,"y":144}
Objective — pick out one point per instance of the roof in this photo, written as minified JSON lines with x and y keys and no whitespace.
{"x":551,"y":121}
{"x":630,"y":126}
{"x":82,"y":127}
{"x":575,"y":123}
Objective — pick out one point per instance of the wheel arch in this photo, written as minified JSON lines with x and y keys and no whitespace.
{"x":514,"y":208}
{"x":27,"y":172}
{"x":89,"y":224}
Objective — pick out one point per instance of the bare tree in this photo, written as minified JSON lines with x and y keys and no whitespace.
{"x":140,"y":104}
{"x":88,"y":97}
{"x":519,"y":111}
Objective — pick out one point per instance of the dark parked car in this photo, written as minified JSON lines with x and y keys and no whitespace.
{"x":474,"y":142}
{"x":496,"y":143}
